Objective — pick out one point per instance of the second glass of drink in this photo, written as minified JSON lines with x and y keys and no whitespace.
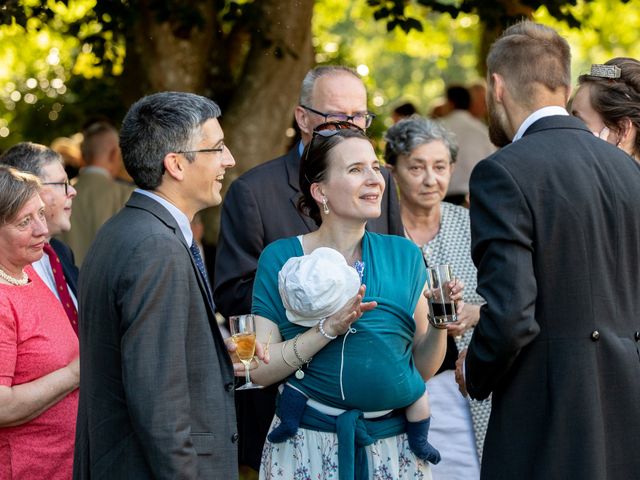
{"x":441,"y":307}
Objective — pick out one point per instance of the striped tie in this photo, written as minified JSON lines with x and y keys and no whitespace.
{"x":62,"y":287}
{"x":195,"y":251}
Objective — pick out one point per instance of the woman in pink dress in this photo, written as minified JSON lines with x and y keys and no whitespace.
{"x":39,"y":367}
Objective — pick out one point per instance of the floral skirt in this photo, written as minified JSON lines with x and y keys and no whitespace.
{"x":312,"y":455}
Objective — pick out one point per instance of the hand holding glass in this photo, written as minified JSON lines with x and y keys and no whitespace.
{"x":243,"y":333}
{"x":441,"y":306}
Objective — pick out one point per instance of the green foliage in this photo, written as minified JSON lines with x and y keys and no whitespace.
{"x":60,"y":60}
{"x":50,"y":76}
{"x":492,"y":13}
{"x":397,"y":66}
{"x":609,"y":29}
{"x":416,"y":66}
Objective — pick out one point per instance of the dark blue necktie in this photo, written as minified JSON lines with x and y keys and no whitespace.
{"x":195,"y":251}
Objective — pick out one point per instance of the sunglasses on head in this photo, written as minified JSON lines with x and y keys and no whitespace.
{"x":329,"y":129}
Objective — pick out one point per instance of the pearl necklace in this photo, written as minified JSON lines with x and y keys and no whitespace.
{"x":18,"y":282}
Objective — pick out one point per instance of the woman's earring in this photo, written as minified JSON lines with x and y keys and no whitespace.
{"x":325,"y":207}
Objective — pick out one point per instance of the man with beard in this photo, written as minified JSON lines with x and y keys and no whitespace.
{"x":556,"y":238}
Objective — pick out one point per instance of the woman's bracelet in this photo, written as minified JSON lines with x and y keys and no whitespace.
{"x":284,"y":359}
{"x":295,"y":352}
{"x":322,"y":331}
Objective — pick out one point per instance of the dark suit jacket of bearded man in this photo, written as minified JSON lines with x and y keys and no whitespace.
{"x":156,"y":389}
{"x":259,"y":208}
{"x":556,"y":239}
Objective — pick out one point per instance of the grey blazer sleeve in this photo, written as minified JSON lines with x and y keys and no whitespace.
{"x":240,"y":244}
{"x":155,"y":309}
{"x":502,"y":250}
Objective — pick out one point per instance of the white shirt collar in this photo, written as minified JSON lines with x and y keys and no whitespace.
{"x":537,"y":115}
{"x":180,"y":217}
{"x":43,"y":268}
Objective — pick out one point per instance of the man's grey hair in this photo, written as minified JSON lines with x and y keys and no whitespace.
{"x":30,"y":157}
{"x":310,"y":78}
{"x":157,"y":125}
{"x":407,"y":135}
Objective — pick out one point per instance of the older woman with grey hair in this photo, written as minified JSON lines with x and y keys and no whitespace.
{"x":39,"y":368}
{"x":421,"y":154}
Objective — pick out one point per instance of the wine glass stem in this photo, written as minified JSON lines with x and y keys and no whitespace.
{"x":246,"y":374}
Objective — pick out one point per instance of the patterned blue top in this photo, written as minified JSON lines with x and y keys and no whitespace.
{"x":379,"y":372}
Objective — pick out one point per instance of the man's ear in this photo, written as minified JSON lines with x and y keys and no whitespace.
{"x":498,"y":87}
{"x":302,"y":119}
{"x":174,"y":165}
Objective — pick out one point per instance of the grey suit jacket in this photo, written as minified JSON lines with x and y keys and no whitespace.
{"x":156,"y":390}
{"x":556,"y":239}
{"x":260,"y":207}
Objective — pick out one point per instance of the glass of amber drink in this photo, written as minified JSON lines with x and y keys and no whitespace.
{"x":243,"y":333}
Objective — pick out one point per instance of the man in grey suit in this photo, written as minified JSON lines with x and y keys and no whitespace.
{"x":260,"y":207}
{"x":556,"y":239}
{"x":156,"y":392}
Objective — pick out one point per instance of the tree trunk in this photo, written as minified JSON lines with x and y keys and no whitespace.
{"x":258,"y":106}
{"x":261,"y":109}
{"x":166,"y":55}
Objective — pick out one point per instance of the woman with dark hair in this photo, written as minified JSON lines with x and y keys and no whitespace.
{"x":608,"y":102}
{"x":39,"y":368}
{"x":360,"y":367}
{"x":421,"y":155}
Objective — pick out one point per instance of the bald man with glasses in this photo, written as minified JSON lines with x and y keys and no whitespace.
{"x":260,"y":207}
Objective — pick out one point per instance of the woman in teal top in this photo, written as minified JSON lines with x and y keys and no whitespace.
{"x":363,"y":363}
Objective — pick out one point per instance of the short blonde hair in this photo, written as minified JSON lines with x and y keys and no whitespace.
{"x":16,"y":189}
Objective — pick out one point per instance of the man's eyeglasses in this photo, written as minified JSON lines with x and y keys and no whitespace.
{"x":65,"y":183}
{"x":202,"y":150}
{"x":357,"y":118}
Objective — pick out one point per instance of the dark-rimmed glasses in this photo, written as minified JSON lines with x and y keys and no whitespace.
{"x":202,"y":150}
{"x":364,"y":118}
{"x":65,"y":183}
